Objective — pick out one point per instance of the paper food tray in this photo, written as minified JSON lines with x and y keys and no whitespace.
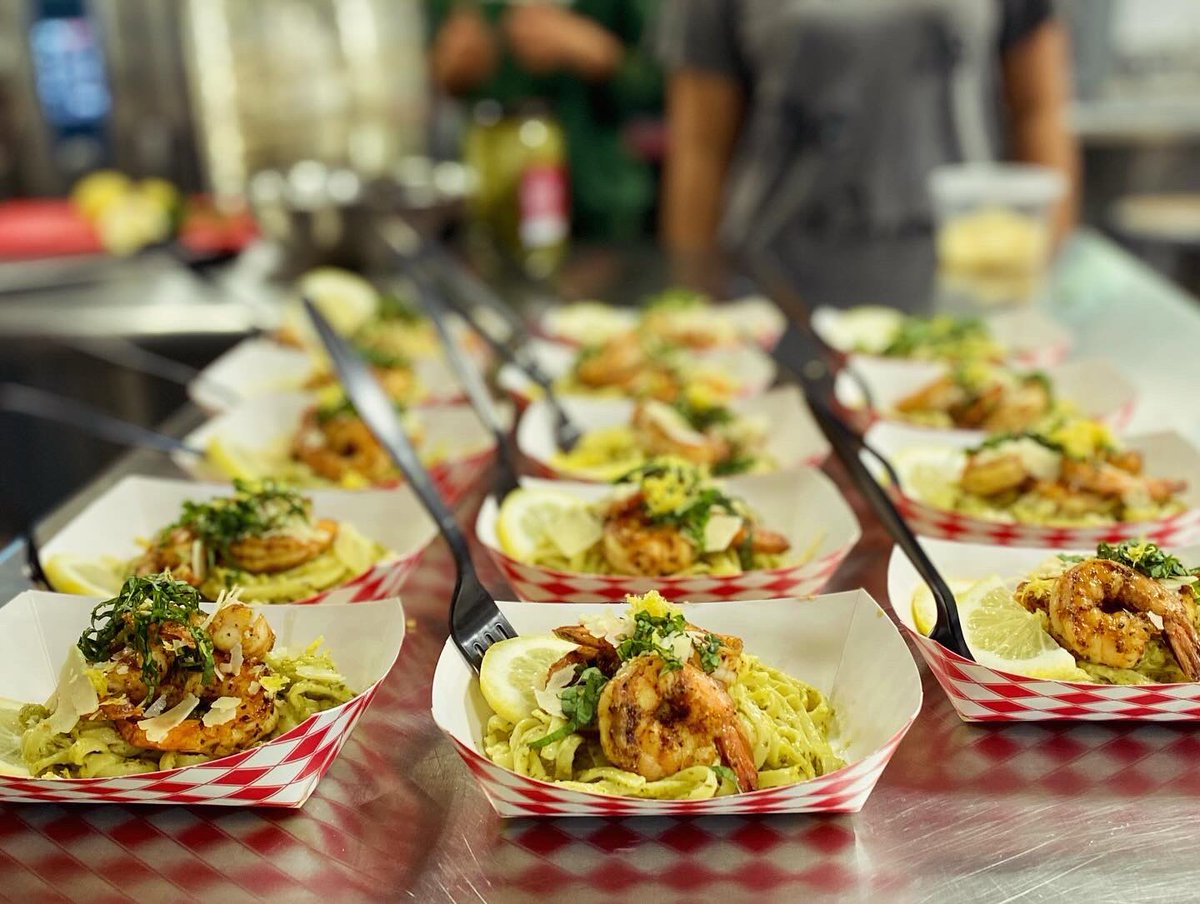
{"x":1031,"y":337}
{"x":454,"y":430}
{"x":982,"y":694}
{"x":750,"y":368}
{"x":1166,"y":454}
{"x":793,"y":437}
{"x":842,"y":644}
{"x":256,"y":367}
{"x":754,"y":319}
{"x":141,"y":506}
{"x":803,"y":504}
{"x":1095,"y":388}
{"x":37,"y":629}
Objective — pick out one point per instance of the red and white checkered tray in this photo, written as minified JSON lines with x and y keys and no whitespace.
{"x":803,"y":504}
{"x":37,"y":629}
{"x":982,"y":694}
{"x":747,"y":367}
{"x":451,"y":434}
{"x":752,"y":319}
{"x":1095,"y":388}
{"x":256,"y":367}
{"x":1031,"y":337}
{"x":138,"y":507}
{"x":793,"y":437}
{"x":1166,"y":455}
{"x":842,"y":644}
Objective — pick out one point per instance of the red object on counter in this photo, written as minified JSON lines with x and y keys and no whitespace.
{"x":45,"y":227}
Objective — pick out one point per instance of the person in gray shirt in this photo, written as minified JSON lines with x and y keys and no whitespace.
{"x":801,"y":126}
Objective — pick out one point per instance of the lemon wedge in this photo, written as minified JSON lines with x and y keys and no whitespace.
{"x":82,"y":575}
{"x":513,"y":669}
{"x":234,"y":461}
{"x":924,"y":609}
{"x":11,"y":762}
{"x":1004,"y":635}
{"x":527,"y":514}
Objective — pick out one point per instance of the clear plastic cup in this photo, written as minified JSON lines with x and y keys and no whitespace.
{"x":993,"y":226}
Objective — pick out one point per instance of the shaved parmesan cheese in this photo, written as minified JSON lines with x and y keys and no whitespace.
{"x":673,"y":424}
{"x":159,"y":727}
{"x":76,"y":695}
{"x":272,"y":684}
{"x":608,"y":625}
{"x":548,"y":698}
{"x":1041,"y":463}
{"x":574,"y":531}
{"x":157,"y":707}
{"x":680,"y":645}
{"x":222,"y":710}
{"x":234,"y":666}
{"x":720,"y":531}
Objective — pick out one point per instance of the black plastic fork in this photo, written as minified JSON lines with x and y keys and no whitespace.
{"x":467,"y":296}
{"x":801,"y":353}
{"x":471,"y":379}
{"x":476,"y":622}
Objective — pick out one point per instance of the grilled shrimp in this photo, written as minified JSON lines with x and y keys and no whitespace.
{"x":633,"y":545}
{"x":173,"y":553}
{"x":238,"y":623}
{"x":283,"y":550}
{"x":622,"y":363}
{"x":661,"y":430}
{"x":1100,"y":610}
{"x":762,"y":540}
{"x":254,"y":718}
{"x":340,"y":445}
{"x":655,"y":722}
{"x":993,"y":474}
{"x":1106,"y":479}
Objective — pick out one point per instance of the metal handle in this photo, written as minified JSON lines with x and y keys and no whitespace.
{"x":49,"y":406}
{"x":379,"y":414}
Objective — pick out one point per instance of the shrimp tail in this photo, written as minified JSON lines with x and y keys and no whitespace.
{"x":1185,"y":644}
{"x":735,"y":751}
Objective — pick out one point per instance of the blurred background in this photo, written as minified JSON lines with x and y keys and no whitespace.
{"x":166,"y":164}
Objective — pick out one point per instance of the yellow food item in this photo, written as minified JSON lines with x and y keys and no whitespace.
{"x":512,"y":668}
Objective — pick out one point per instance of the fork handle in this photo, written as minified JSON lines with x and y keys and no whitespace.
{"x":375,"y":408}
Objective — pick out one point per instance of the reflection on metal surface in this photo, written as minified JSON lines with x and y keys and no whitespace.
{"x":1094,"y":813}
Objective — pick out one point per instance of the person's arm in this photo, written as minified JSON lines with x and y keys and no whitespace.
{"x":546,"y":38}
{"x":1037,"y":96}
{"x":465,"y":52}
{"x":704,"y":116}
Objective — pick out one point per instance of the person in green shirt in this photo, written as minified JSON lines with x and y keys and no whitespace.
{"x":586,"y":60}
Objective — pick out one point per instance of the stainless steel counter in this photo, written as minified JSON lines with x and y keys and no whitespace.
{"x":1096,"y":813}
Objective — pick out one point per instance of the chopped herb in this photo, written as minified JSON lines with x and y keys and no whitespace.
{"x":940,"y":336}
{"x":579,"y":704}
{"x":377,"y":356}
{"x":710,"y":652}
{"x":135,"y":618}
{"x":254,"y":509}
{"x":701,"y":417}
{"x":674,"y":492}
{"x":735,"y":464}
{"x":649,"y":635}
{"x":725,"y":774}
{"x":393,"y":306}
{"x":1145,"y":557}
{"x":675,"y":299}
{"x":1001,"y":438}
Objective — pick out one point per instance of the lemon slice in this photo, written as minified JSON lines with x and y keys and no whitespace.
{"x":525,"y":516}
{"x":11,"y":762}
{"x":924,"y":609}
{"x":930,"y":474}
{"x":82,"y":575}
{"x":234,"y":461}
{"x":1003,"y":635}
{"x":513,"y":669}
